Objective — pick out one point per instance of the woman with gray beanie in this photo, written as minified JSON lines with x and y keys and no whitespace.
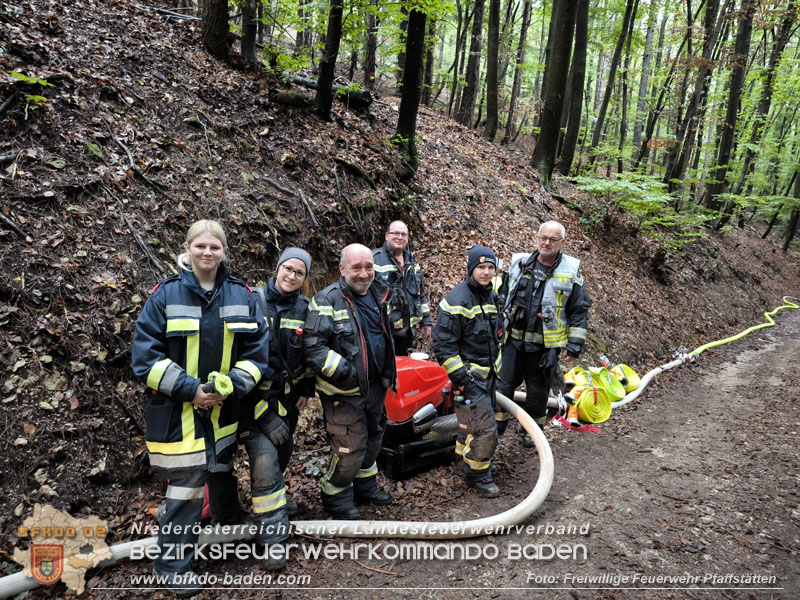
{"x":269,"y":415}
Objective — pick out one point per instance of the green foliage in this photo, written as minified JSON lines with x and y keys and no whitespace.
{"x":641,"y":203}
{"x":32,"y":101}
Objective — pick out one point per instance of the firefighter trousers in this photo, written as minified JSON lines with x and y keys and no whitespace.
{"x":355,"y":431}
{"x":179,"y":525}
{"x":477,"y":429}
{"x":267,"y":488}
{"x":517,"y":366}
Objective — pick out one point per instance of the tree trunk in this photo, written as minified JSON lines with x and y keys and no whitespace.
{"x":492,"y":57}
{"x":303,"y":38}
{"x":544,"y":155}
{"x":644,"y":80}
{"x":765,"y":102}
{"x":612,"y":72}
{"x":713,"y":24}
{"x":623,"y":125}
{"x":546,"y":60}
{"x":371,"y":44}
{"x":515,"y":88}
{"x":406,"y":133}
{"x":578,"y":76}
{"x":427,"y":86}
{"x":791,"y":227}
{"x":401,"y":56}
{"x":461,"y":28}
{"x":725,"y":147}
{"x":327,"y":63}
{"x":214,"y":28}
{"x":506,"y":38}
{"x":470,"y":93}
{"x":249,"y":31}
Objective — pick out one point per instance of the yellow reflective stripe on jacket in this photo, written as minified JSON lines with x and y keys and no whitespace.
{"x":328,"y":388}
{"x":341,"y":315}
{"x":454,"y":363}
{"x":425,"y":308}
{"x":498,"y":361}
{"x":270,"y":502}
{"x":291,"y":323}
{"x":221,"y":432}
{"x":469,"y":313}
{"x":415,"y":321}
{"x":479,"y":370}
{"x":193,"y":356}
{"x":577,"y":333}
{"x":332,"y":361}
{"x":385,"y":268}
{"x":250,"y":368}
{"x":183,"y":325}
{"x":157,"y":372}
{"x":260,"y":408}
{"x":188,"y":444}
{"x":326,"y":310}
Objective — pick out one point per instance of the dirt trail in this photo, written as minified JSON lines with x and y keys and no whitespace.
{"x":699,"y":478}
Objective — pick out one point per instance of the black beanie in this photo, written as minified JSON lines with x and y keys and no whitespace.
{"x":478,"y":255}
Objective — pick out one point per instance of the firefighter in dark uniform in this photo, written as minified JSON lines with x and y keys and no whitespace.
{"x":546,"y":312}
{"x":200,"y":321}
{"x":465,"y":339}
{"x":270,"y":413}
{"x":349,"y":346}
{"x":397,"y":268}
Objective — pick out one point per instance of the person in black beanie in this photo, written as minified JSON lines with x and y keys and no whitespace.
{"x":466,"y":343}
{"x":270,"y":413}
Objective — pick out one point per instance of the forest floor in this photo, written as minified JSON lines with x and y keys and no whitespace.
{"x":142,"y":133}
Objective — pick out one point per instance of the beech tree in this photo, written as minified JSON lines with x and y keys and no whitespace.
{"x":406,"y":133}
{"x":492,"y":57}
{"x":544,"y":155}
{"x":470,"y":93}
{"x":214,"y":28}
{"x":327,"y":62}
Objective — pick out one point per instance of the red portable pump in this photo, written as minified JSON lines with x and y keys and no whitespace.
{"x":421,"y":424}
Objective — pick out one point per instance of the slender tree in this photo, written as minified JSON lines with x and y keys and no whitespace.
{"x":371,"y":44}
{"x":492,"y":57}
{"x":406,"y":132}
{"x":249,"y":30}
{"x":544,"y":155}
{"x":612,"y":72}
{"x":427,"y":80}
{"x":470,"y":92}
{"x":739,"y":66}
{"x":578,"y":70}
{"x":645,"y":77}
{"x":327,"y":62}
{"x":515,"y":87}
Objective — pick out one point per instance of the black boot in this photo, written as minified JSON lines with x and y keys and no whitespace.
{"x":366,"y":491}
{"x":340,"y":506}
{"x":484,"y":486}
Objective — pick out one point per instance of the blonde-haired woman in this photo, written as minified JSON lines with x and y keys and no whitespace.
{"x":201,"y":321}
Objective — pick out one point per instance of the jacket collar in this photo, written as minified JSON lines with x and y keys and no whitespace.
{"x":406,"y":254}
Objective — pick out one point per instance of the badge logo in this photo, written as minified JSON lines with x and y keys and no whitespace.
{"x":47,"y":562}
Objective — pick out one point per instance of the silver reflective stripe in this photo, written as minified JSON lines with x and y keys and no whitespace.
{"x":184,"y":493}
{"x":225,"y":442}
{"x":247,"y":379}
{"x":170,"y":378}
{"x":234,"y":310}
{"x":181,"y":310}
{"x":176,"y":461}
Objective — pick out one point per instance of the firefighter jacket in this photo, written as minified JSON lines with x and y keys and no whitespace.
{"x":465,"y":337}
{"x":336,"y":347}
{"x":287,"y":378}
{"x":183,"y":334}
{"x":409,"y":307}
{"x":553,"y":314}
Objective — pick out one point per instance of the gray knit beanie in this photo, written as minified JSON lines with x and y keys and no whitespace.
{"x":297,"y":253}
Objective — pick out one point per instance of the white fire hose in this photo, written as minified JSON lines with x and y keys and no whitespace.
{"x":11,"y":585}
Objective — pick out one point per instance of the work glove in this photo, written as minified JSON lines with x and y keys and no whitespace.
{"x":275,"y":428}
{"x":552,"y":372}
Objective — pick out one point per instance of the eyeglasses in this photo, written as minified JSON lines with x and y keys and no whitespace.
{"x":552,"y":240}
{"x":401,"y":234}
{"x":291,"y":271}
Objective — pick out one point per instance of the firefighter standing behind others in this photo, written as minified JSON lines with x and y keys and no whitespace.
{"x":546,"y":312}
{"x":200,"y":321}
{"x":397,"y":268}
{"x":270,"y":413}
{"x":465,"y":339}
{"x":349,"y":346}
